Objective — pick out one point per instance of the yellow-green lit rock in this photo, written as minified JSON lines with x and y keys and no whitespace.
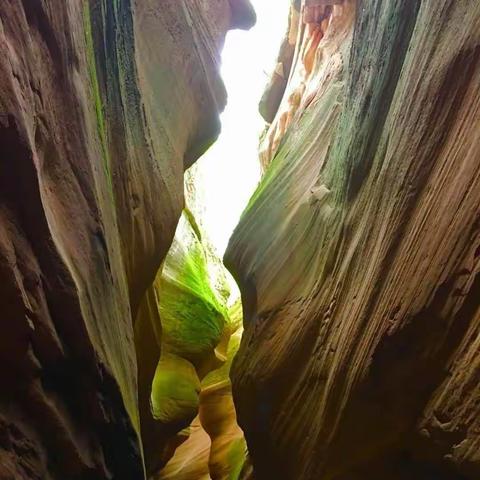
{"x":192,"y":313}
{"x":228,"y":452}
{"x":175,"y":390}
{"x":219,"y":449}
{"x":192,"y":329}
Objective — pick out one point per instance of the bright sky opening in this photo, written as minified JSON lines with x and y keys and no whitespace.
{"x":229,"y":171}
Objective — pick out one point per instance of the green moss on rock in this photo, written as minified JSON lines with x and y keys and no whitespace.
{"x":194,"y":323}
{"x":193,"y":314}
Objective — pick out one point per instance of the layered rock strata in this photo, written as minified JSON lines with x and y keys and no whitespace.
{"x":358,"y":255}
{"x":103,"y":104}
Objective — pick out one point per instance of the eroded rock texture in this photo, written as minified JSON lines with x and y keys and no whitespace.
{"x":359,"y":254}
{"x":103,"y":104}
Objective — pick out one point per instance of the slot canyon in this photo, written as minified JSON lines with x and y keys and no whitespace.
{"x":352,"y":350}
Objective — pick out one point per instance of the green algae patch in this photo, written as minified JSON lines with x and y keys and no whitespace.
{"x":97,"y":98}
{"x":192,"y":312}
{"x":200,"y":336}
{"x":194,"y":322}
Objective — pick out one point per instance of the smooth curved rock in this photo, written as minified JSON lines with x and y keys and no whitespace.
{"x":358,"y":256}
{"x":228,"y":450}
{"x":103,"y":104}
{"x":191,"y":457}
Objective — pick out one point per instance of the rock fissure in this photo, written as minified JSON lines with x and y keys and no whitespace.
{"x":354,"y":352}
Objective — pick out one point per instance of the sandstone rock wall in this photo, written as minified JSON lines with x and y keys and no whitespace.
{"x":358,"y":255}
{"x":103,"y":104}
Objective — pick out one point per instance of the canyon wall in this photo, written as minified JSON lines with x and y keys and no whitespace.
{"x":103,"y":104}
{"x":358,"y":256}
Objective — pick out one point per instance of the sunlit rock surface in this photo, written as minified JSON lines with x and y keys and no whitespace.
{"x":190,"y":328}
{"x":228,"y":451}
{"x":103,"y":104}
{"x":359,"y":255}
{"x":191,"y":457}
{"x":191,"y":398}
{"x":215,"y":447}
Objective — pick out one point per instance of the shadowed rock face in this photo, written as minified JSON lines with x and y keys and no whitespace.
{"x":103,"y":104}
{"x":358,"y":256}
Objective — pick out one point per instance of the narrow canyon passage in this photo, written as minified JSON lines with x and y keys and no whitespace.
{"x":295,"y":298}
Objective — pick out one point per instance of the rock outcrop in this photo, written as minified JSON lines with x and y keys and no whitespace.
{"x":103,"y":104}
{"x":358,"y":256}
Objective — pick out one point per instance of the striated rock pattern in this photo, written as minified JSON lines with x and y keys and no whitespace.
{"x":359,"y":254}
{"x":103,"y":104}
